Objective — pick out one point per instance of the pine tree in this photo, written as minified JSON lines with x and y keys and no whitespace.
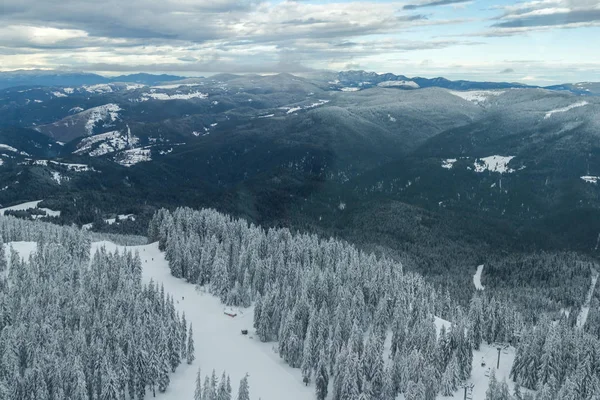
{"x":545,"y":393}
{"x":415,"y":391}
{"x":244,"y":390}
{"x":207,"y":393}
{"x":183,"y":335}
{"x":163,"y":375}
{"x":389,"y":390}
{"x":450,"y":378}
{"x":3,"y":262}
{"x":517,"y":392}
{"x":322,"y":377}
{"x":569,"y":391}
{"x":198,"y":391}
{"x":222,"y":393}
{"x":190,"y":347}
{"x":492,"y":392}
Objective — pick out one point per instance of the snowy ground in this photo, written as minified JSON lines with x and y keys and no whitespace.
{"x":494,"y":164}
{"x":221,"y":346}
{"x":477,"y":278}
{"x":565,"y":109}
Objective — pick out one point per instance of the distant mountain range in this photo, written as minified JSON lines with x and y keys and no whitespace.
{"x":344,"y":80}
{"x":449,"y":167}
{"x":56,"y":78}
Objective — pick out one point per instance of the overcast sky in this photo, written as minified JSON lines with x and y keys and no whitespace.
{"x":539,"y":42}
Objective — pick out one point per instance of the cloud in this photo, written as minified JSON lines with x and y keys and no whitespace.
{"x":562,"y":19}
{"x":507,"y":71}
{"x":204,"y":34}
{"x":215,"y":66}
{"x":542,"y":15}
{"x":432,"y":3}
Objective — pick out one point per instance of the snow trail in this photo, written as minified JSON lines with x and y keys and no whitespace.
{"x":585,"y":309}
{"x":477,"y":278}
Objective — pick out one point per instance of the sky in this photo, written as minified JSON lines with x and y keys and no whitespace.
{"x":540,"y":42}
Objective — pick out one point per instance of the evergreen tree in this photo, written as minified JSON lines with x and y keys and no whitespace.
{"x":322,"y":377}
{"x":244,"y":389}
{"x":198,"y":391}
{"x":190,"y":346}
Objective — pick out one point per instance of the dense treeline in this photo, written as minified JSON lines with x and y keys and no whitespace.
{"x":559,"y":362}
{"x":331,"y":306}
{"x":219,"y":389}
{"x":75,"y":328}
{"x":540,"y":281}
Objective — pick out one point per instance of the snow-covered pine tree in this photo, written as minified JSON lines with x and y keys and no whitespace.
{"x":198,"y":390}
{"x":244,"y":389}
{"x":322,"y":377}
{"x":191,"y":350}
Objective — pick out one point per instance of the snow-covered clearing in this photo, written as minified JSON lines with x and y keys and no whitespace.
{"x":176,"y":85}
{"x":70,"y":166}
{"x":178,"y":96}
{"x":585,"y":309}
{"x":291,"y":110}
{"x":99,"y":88}
{"x":134,"y":156}
{"x":59,"y":178}
{"x":591,"y":179}
{"x":406,"y":84}
{"x":28,"y":205}
{"x":476,"y":96}
{"x":101,"y":113}
{"x":350,"y":89}
{"x":448,"y":163}
{"x":477,"y":278}
{"x":111,"y":221}
{"x":7,"y":147}
{"x":22,"y":206}
{"x":58,"y":94}
{"x":134,"y":86}
{"x":109,"y":142}
{"x":565,"y":109}
{"x":494,"y":164}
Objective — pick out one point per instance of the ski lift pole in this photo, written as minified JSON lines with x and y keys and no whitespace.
{"x":467,"y":388}
{"x":498,"y":364}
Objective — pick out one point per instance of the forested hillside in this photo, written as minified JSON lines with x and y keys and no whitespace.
{"x":75,"y":328}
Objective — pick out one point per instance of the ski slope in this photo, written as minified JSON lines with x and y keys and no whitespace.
{"x":221,"y":346}
{"x":218,"y":339}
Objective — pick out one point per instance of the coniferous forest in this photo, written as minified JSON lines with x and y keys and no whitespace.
{"x":77,"y":328}
{"x":331,"y":308}
{"x":76,"y":325}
